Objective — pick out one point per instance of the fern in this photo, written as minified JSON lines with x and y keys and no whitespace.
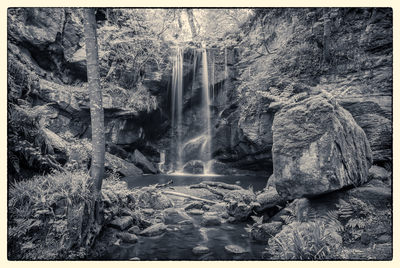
{"x":356,"y":223}
{"x":332,"y":222}
{"x":345,"y":209}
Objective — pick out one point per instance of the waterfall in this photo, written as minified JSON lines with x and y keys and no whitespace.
{"x":206,"y":113}
{"x":177,"y":95}
{"x":177,"y":88}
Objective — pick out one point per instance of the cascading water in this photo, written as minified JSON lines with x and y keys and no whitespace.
{"x":177,"y":95}
{"x":206,"y":113}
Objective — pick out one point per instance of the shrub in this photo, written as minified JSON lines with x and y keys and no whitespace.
{"x":305,"y":241}
{"x":44,"y":215}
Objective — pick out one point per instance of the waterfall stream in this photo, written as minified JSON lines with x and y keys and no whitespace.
{"x":207,"y":116}
{"x":177,"y":117}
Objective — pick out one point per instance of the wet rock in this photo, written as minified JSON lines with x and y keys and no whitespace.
{"x":220,"y":208}
{"x":318,"y":148}
{"x":194,"y":167}
{"x":192,"y":149}
{"x":186,"y":222}
{"x":122,"y":223}
{"x":231,"y":220}
{"x":235,"y":249}
{"x":135,"y":259}
{"x":268,"y":199}
{"x":262,"y":232}
{"x":151,"y":198}
{"x":243,"y":195}
{"x":134,"y":230}
{"x":210,"y":220}
{"x":195,"y":205}
{"x":127,"y":237}
{"x":240,"y":210}
{"x":199,"y":250}
{"x":154,"y":230}
{"x":126,"y":168}
{"x":141,"y":161}
{"x":195,"y":211}
{"x":173,"y":216}
{"x":240,"y":203}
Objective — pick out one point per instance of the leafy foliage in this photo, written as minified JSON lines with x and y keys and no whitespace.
{"x":27,"y":143}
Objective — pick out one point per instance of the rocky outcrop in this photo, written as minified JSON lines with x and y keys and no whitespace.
{"x":318,"y":148}
{"x":141,"y":161}
{"x":123,"y":167}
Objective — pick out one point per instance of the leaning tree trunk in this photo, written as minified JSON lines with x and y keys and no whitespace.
{"x":96,"y":106}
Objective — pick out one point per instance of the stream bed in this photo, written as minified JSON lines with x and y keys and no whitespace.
{"x":178,"y":241}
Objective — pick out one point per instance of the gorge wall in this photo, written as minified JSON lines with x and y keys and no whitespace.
{"x":277,"y":55}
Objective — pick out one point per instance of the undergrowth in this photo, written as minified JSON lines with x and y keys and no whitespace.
{"x":43,"y":215}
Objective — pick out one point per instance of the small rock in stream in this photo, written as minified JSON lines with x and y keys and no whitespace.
{"x":128,"y":237}
{"x":199,"y":250}
{"x":235,"y":249}
{"x":154,"y":230}
{"x":210,"y":220}
{"x":195,"y":212}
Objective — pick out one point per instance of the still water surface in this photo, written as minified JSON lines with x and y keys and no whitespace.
{"x":179,"y":240}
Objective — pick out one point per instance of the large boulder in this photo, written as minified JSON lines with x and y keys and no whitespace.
{"x":192,"y":149}
{"x":141,"y":161}
{"x":124,"y":167}
{"x":38,"y":27}
{"x":194,"y":167}
{"x":318,"y":148}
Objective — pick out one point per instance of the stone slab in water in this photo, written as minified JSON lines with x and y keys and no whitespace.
{"x":200,"y":250}
{"x":211,"y":220}
{"x":235,"y":249}
{"x":154,"y":230}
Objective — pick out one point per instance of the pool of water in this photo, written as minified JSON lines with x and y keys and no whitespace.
{"x":179,"y":240}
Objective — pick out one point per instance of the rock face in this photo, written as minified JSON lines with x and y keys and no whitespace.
{"x":318,"y":148}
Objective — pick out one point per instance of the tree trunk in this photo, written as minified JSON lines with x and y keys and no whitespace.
{"x":96,"y":105}
{"x":189,"y":13}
